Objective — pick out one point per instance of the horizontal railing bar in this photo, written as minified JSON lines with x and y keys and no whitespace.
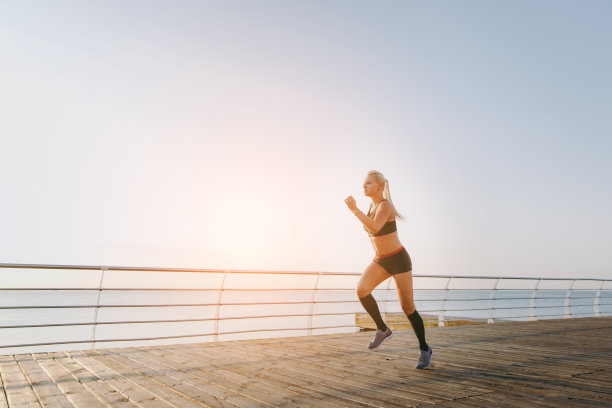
{"x":166,"y":289}
{"x":169,"y":337}
{"x":158,"y":269}
{"x":286,"y":303}
{"x":222,"y":333}
{"x":307,"y":328}
{"x":511,"y":298}
{"x":171,"y":305}
{"x":234,"y":332}
{"x":173,"y":320}
{"x":183,"y":320}
{"x":46,"y":344}
{"x":505,"y":308}
{"x":293,"y":328}
{"x":509,"y":289}
{"x":433,"y":311}
{"x":581,"y":305}
{"x":547,"y":315}
{"x":48,"y":266}
{"x":502,"y":308}
{"x":582,"y":313}
{"x":178,"y":305}
{"x":603,"y":291}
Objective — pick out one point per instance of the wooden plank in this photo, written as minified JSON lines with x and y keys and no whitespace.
{"x":19,"y":392}
{"x":236,"y":368}
{"x":370,"y":365}
{"x":369,"y":380}
{"x":464,"y":403}
{"x":110,"y":395}
{"x":173,"y":378}
{"x":541,"y":364}
{"x":372,"y":393}
{"x":599,"y":378}
{"x":316,"y":391}
{"x":70,"y":386}
{"x":520,"y":398}
{"x":338,"y":382}
{"x":131,"y":390}
{"x":162,"y":386}
{"x":206,"y":374}
{"x":394,"y":373}
{"x":565,"y":394}
{"x":383,"y":376}
{"x":46,"y":390}
{"x":3,"y":400}
{"x":250,"y":371}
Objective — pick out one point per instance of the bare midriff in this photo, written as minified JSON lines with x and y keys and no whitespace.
{"x":386,"y":244}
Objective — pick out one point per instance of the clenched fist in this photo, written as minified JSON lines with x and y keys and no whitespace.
{"x":350,"y":202}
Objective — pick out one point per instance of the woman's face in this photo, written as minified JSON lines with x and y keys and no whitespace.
{"x":370,"y":186}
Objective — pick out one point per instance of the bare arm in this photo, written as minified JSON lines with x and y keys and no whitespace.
{"x":384,"y":211}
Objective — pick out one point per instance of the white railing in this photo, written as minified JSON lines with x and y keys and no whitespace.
{"x":59,"y":307}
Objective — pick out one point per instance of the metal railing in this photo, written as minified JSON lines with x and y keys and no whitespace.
{"x":70,"y":306}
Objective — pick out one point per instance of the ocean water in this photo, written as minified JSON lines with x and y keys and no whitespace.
{"x":180,"y":307}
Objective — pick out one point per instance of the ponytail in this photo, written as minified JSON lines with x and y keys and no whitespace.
{"x":386,"y":192}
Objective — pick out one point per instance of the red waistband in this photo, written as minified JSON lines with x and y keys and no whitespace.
{"x":391,"y":253}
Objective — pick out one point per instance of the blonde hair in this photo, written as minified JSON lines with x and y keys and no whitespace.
{"x":386,"y":193}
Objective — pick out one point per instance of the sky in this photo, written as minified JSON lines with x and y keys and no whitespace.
{"x":226,"y":135}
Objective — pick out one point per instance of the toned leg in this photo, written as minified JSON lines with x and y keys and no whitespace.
{"x":372,"y":277}
{"x":403,"y":281}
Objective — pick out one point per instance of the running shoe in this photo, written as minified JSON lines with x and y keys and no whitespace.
{"x":379,"y":337}
{"x":425,"y":359}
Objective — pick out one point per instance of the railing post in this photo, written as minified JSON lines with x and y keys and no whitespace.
{"x":443,"y":305}
{"x":95,"y":322}
{"x":312,"y":303}
{"x":491,"y":301}
{"x":596,"y":304}
{"x":566,"y":308}
{"x":533,"y":299}
{"x":217,"y":312}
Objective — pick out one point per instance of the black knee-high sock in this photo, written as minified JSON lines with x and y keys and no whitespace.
{"x":419,"y":329}
{"x":369,"y":304}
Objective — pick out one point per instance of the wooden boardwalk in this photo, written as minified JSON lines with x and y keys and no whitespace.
{"x":547,"y":363}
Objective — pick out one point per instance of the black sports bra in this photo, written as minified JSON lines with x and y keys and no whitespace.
{"x":389,"y":227}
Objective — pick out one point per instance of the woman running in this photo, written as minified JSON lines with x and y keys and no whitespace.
{"x":391,"y":260}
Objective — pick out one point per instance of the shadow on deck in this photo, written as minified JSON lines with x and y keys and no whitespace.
{"x":546,"y":363}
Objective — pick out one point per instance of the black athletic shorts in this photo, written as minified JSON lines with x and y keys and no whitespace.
{"x":396,"y":262}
